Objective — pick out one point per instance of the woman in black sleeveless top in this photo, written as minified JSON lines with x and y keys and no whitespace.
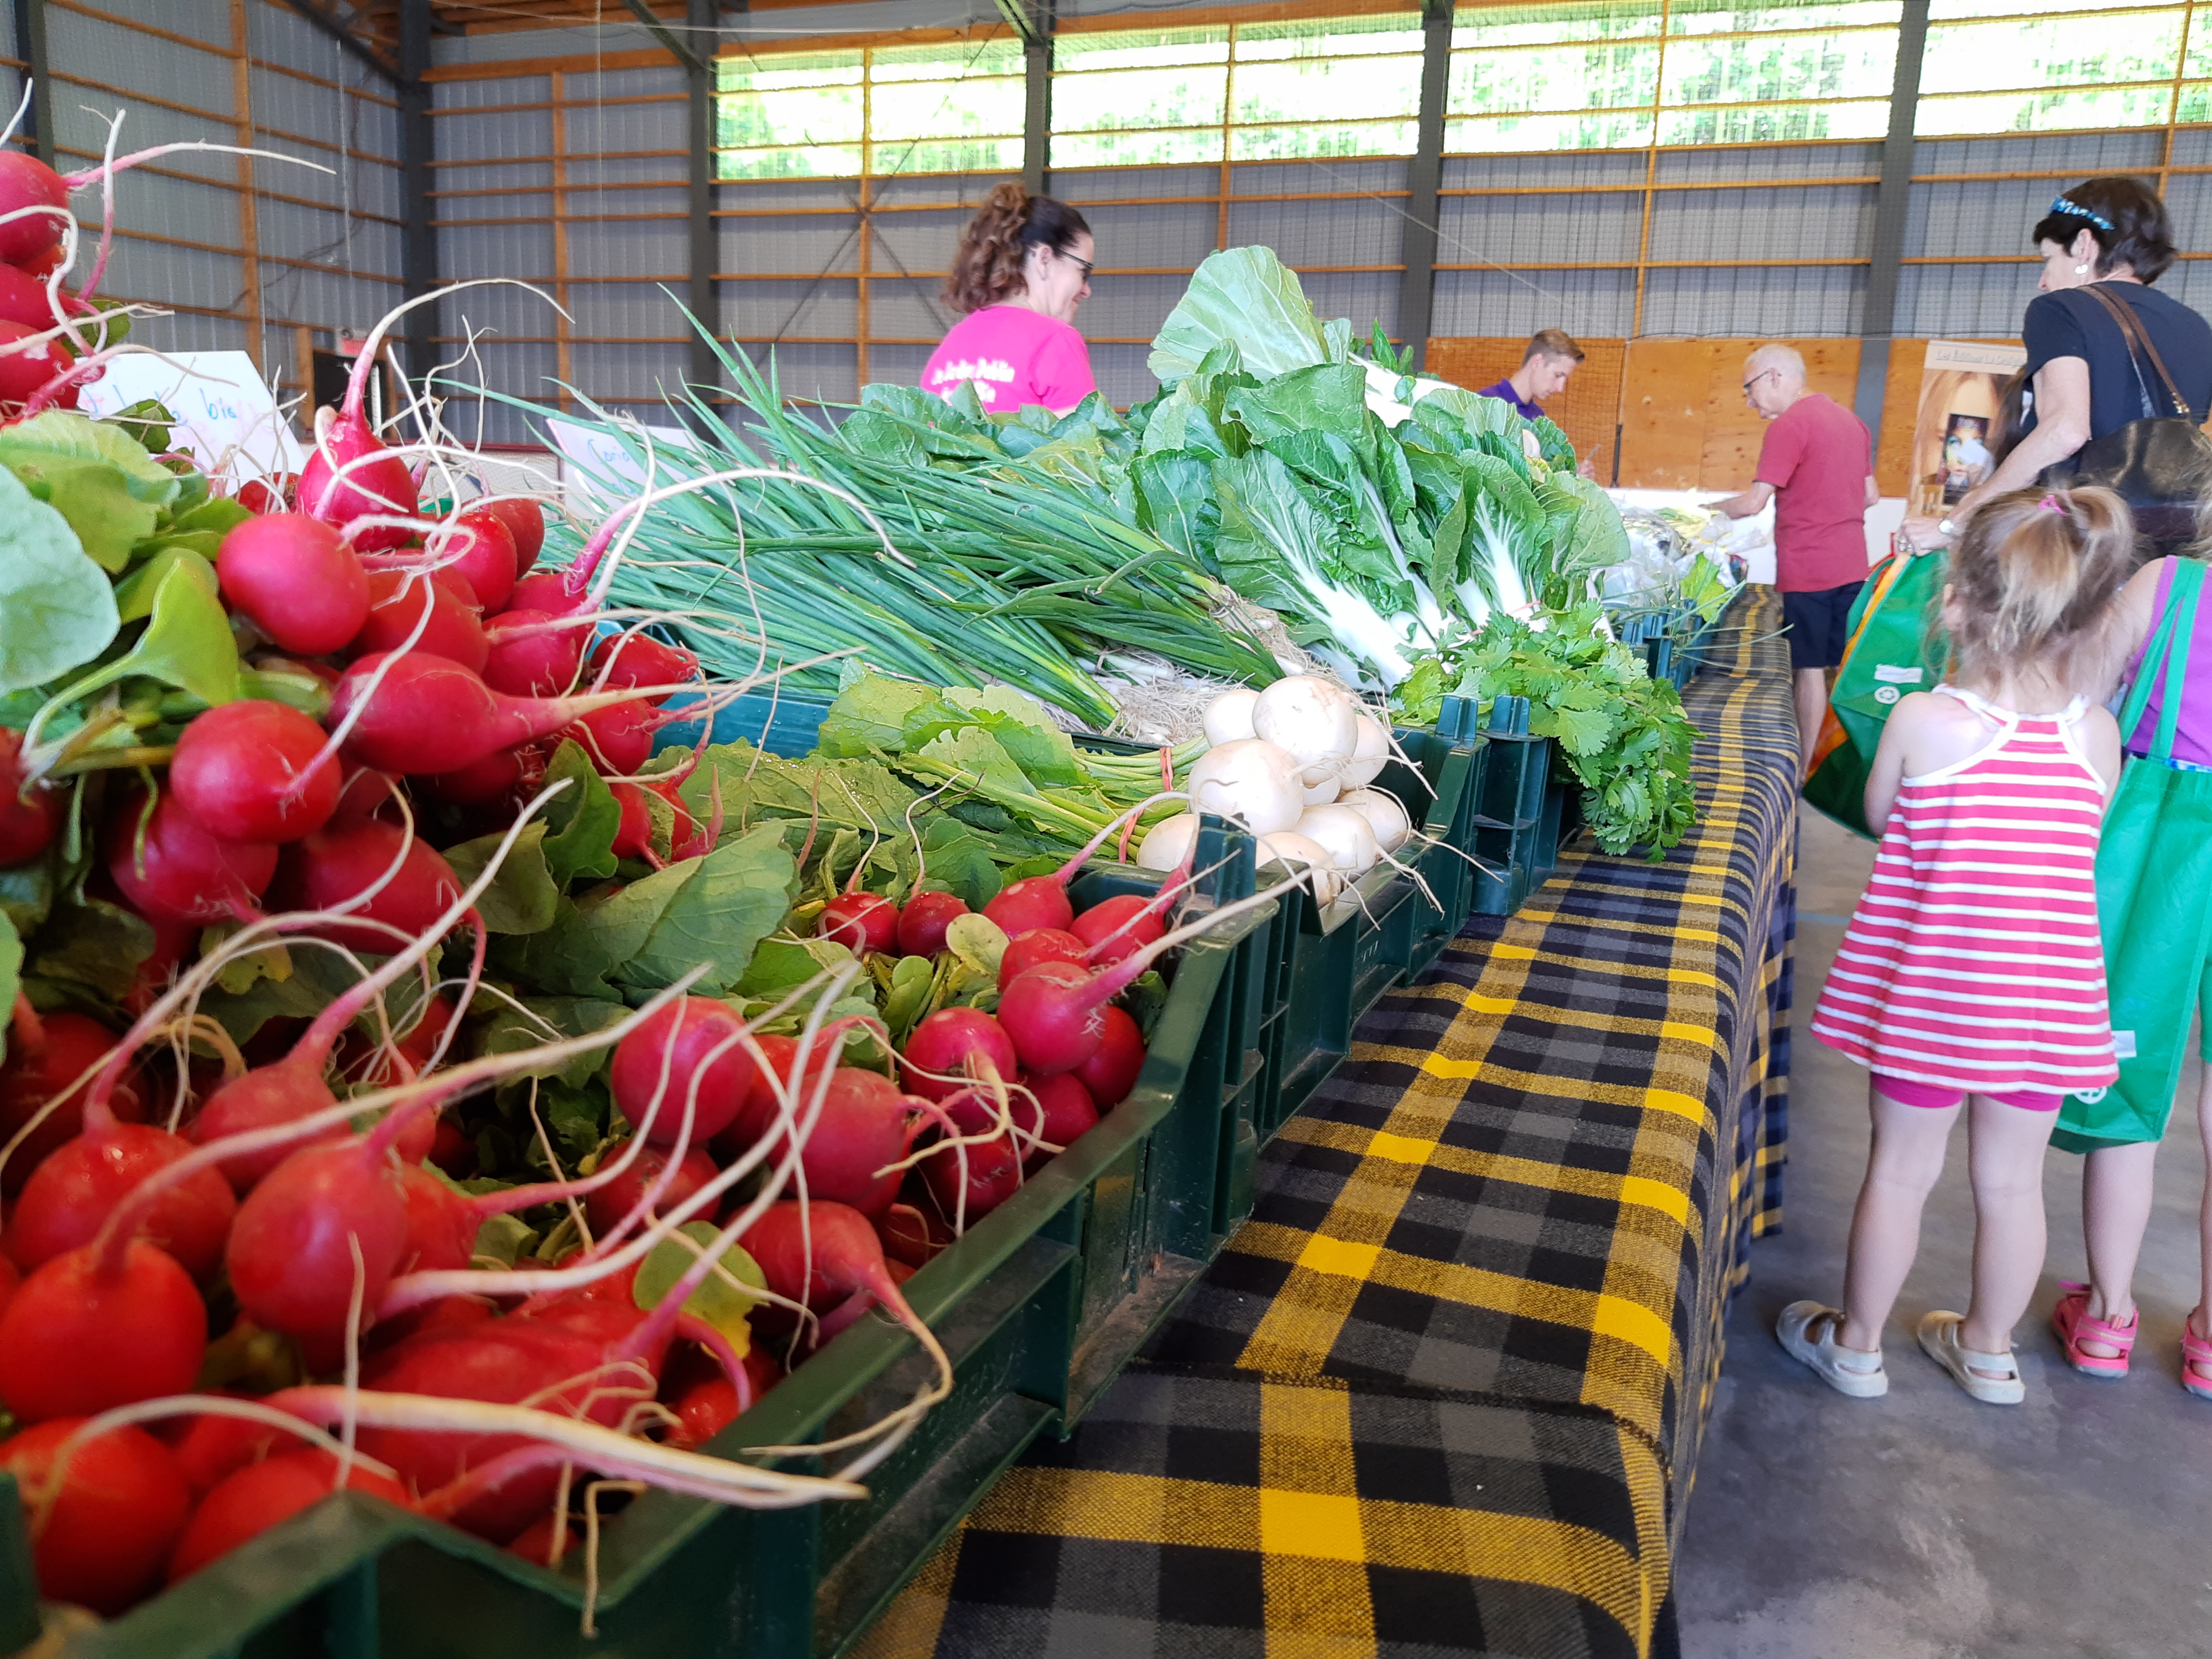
{"x":2084,"y":382}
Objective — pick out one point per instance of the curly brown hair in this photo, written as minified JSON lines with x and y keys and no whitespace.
{"x":987,"y":269}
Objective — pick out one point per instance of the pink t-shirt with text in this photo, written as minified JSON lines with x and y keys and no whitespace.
{"x":1016,"y":357}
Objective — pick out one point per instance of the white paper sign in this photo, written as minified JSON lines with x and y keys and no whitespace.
{"x":222,"y":405}
{"x":593,"y":455}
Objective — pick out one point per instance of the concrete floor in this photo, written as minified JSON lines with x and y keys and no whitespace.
{"x":1924,"y":1525}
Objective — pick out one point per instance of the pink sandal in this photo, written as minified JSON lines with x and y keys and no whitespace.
{"x":2196,"y":1361}
{"x":2070,"y":1319}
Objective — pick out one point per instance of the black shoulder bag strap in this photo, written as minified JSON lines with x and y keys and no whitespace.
{"x":2138,"y":339}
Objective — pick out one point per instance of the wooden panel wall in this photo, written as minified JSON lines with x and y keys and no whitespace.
{"x":1678,"y":405}
{"x":1587,"y":412}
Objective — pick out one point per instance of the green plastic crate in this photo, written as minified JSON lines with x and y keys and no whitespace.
{"x":1039,"y":1307}
{"x":1508,"y":818}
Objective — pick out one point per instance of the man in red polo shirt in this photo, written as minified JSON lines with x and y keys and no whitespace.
{"x":1817,"y":467}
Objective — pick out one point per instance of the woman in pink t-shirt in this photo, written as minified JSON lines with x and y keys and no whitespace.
{"x":1023,"y":267}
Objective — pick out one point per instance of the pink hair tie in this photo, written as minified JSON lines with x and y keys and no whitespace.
{"x":2054,"y":502}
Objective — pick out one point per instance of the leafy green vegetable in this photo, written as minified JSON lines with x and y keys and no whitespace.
{"x":523,"y":896}
{"x":1620,"y":734}
{"x":62,"y":435}
{"x":581,"y":822}
{"x":57,"y":610}
{"x":1245,"y":294}
{"x":720,"y":1299}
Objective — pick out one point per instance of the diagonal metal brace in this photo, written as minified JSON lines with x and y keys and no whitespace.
{"x":352,"y":44}
{"x":1017,"y":12}
{"x":685,"y":55}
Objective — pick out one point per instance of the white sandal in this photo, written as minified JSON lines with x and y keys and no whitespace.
{"x":1823,"y":1355}
{"x":1939,"y":1340}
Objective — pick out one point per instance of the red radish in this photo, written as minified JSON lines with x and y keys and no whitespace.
{"x":1028,"y":905}
{"x":631,"y":660}
{"x":397,"y":602}
{"x":634,"y":833}
{"x":1056,"y":1012}
{"x":295,"y":580}
{"x":1120,"y":926}
{"x":618,"y":737}
{"x":262,"y":1099}
{"x":956,"y":1041}
{"x":27,"y":182}
{"x":547,"y":592}
{"x":336,"y":864}
{"x":43,"y":266}
{"x":75,"y":1340}
{"x":262,"y":1494}
{"x":173,"y":941}
{"x":1041,"y":901}
{"x":213,"y":1447}
{"x":10,"y":1277}
{"x":687,"y":840}
{"x":452,"y":1151}
{"x":908,"y":1236}
{"x":671,"y":1055}
{"x":70,"y":1197}
{"x":861,"y":922}
{"x":122,"y":1503}
{"x":555,"y":1356}
{"x":427,"y":715}
{"x":760,"y":1113}
{"x":260,"y":495}
{"x":66,"y":1047}
{"x":479,"y":784}
{"x":27,"y":362}
{"x":23,"y":299}
{"x":847,"y":1263}
{"x":480,"y":547}
{"x":179,"y":872}
{"x":1025,"y":950}
{"x":292,"y":1264}
{"x":1111,"y":1071}
{"x":969,"y":1181}
{"x":255,"y":771}
{"x":528,"y":660}
{"x":441,"y":1226}
{"x":1064,"y":1113}
{"x":367,"y":794}
{"x":866,"y":1125}
{"x":923,"y":921}
{"x":525,"y":523}
{"x":536,"y":1546}
{"x":30,"y":814}
{"x":702,"y":1411}
{"x":352,"y":475}
{"x":608,"y":1206}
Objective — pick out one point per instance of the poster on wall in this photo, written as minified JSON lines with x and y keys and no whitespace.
{"x":1959,"y":433}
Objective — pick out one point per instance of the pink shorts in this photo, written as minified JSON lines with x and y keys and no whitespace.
{"x":1936,"y":1097}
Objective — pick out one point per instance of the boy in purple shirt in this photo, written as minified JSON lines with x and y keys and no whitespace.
{"x":1550,"y":357}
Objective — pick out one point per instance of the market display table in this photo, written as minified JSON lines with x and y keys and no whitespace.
{"x":1442,"y":1393}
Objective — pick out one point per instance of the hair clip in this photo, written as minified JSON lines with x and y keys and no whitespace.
{"x":2060,"y":205}
{"x":2056,"y":502}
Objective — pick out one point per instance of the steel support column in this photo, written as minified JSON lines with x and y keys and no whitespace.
{"x":1893,"y":195}
{"x":418,"y":238}
{"x":1424,"y":173}
{"x":31,"y":47}
{"x":703,"y":17}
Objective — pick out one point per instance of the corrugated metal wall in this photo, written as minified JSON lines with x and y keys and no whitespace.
{"x":1735,"y":240}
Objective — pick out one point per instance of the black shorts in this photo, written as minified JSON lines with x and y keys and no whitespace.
{"x":1818,"y":624}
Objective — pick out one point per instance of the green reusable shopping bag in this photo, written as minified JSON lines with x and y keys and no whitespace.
{"x":2154,"y":901}
{"x":1888,"y":656}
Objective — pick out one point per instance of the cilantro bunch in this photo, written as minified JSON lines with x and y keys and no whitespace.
{"x":1618,"y":733}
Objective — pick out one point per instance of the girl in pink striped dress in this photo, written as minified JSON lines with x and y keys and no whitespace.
{"x":1972,"y":967}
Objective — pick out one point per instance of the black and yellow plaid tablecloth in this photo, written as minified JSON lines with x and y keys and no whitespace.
{"x":1442,"y":1395}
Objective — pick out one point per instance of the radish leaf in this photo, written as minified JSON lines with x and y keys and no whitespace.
{"x":55,"y":609}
